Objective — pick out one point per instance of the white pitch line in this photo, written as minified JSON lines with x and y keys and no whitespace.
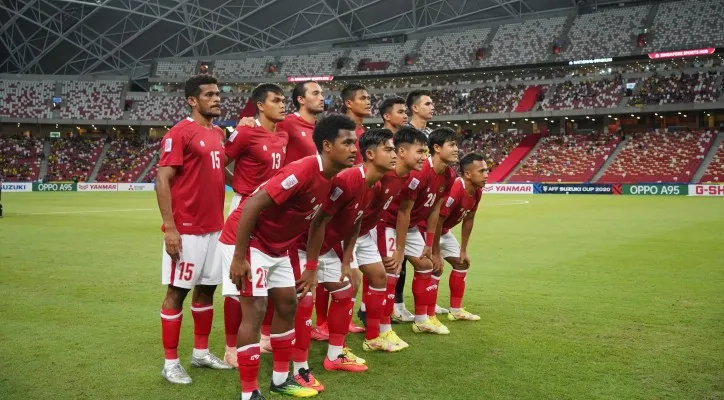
{"x":84,"y":211}
{"x":514,"y":203}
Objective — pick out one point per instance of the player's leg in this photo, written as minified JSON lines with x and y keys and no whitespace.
{"x":400,"y":311}
{"x":424,"y":286}
{"x":321,"y":309}
{"x":339,"y":358}
{"x":283,"y":294}
{"x":266,"y":324}
{"x":386,"y":244}
{"x":178,"y":276}
{"x":356,"y":283}
{"x":232,"y":303}
{"x":302,"y":373}
{"x":450,"y":251}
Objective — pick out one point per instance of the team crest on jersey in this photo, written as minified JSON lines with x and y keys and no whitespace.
{"x":289,"y":182}
{"x":413,"y":183}
{"x":202,"y":143}
{"x":336,"y":193}
{"x":449,"y":202}
{"x":264,"y":147}
{"x":168,"y":145}
{"x":387,"y":191}
{"x":313,"y":200}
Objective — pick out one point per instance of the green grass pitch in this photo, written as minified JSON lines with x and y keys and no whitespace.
{"x":582,"y":297}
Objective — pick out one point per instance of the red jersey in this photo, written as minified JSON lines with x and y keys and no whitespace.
{"x":258,"y":154}
{"x":383,"y":194}
{"x":358,"y":131}
{"x":347,"y":201}
{"x":459,"y":204}
{"x":298,"y":191}
{"x":197,"y":190}
{"x":423,"y":187}
{"x":301,"y":142}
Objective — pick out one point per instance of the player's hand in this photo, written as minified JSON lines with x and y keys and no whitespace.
{"x":427,"y":252}
{"x":239,"y":272}
{"x":173,"y":243}
{"x":464,"y":258}
{"x":436,"y":264}
{"x":346,"y":273}
{"x":246,"y":121}
{"x":389,"y":264}
{"x":307,"y":283}
{"x":398,"y":257}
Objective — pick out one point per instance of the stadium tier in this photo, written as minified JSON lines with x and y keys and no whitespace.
{"x":607,"y":33}
{"x":455,"y":50}
{"x":603,"y":93}
{"x":688,"y":24}
{"x":20,"y":158}
{"x":73,"y":158}
{"x":573,"y":158}
{"x":659,"y":157}
{"x":92,"y":100}
{"x":126,"y":159}
{"x":26,"y":99}
{"x":715,"y":171}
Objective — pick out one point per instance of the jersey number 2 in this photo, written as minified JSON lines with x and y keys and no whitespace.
{"x":430,"y":199}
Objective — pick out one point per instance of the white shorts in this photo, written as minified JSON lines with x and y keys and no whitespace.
{"x":365,"y":250}
{"x":235,"y":201}
{"x":449,"y":246}
{"x":267,"y":272}
{"x":196,"y":265}
{"x":387,"y":242}
{"x":329,"y":269}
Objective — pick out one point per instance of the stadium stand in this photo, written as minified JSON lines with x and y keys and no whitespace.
{"x":489,"y":99}
{"x":151,"y":175}
{"x":607,"y":33}
{"x":584,"y":95}
{"x":688,"y":24}
{"x":126,"y":158}
{"x":385,"y":53}
{"x":92,"y":100}
{"x":147,"y":107}
{"x":310,"y":64}
{"x":494,"y":146}
{"x":26,"y":99}
{"x":677,"y":88}
{"x":20,"y":158}
{"x":715,"y":170}
{"x":253,"y":67}
{"x":526,"y":42}
{"x":659,"y":157}
{"x":570,"y":158}
{"x":181,"y":69}
{"x":231,"y":106}
{"x":449,"y":51}
{"x":73,"y":158}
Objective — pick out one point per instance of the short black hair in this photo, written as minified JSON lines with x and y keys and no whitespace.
{"x":328,"y":129}
{"x":440,"y":136}
{"x":349,"y":91}
{"x":469,"y":159}
{"x":373,"y":138}
{"x":258,"y":95}
{"x":299,"y":91}
{"x":192,"y":87}
{"x":408,"y":134}
{"x":387,"y":104}
{"x":414,"y":96}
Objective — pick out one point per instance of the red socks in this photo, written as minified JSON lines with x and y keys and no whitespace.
{"x":303,"y":328}
{"x":457,"y":287}
{"x":420,"y":284}
{"x":390,"y":300}
{"x":375,"y":303}
{"x":170,"y":331}
{"x":232,"y":319}
{"x":282,"y":345}
{"x":203,"y":318}
{"x":321,"y":304}
{"x":248,"y":358}
{"x":432,"y":289}
{"x":340,"y":315}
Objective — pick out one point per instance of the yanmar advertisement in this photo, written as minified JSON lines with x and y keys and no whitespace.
{"x":97,"y":187}
{"x":513,"y":188}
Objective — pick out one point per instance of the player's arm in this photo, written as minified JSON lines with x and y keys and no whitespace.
{"x":401,"y":227}
{"x":228,"y":174}
{"x":466,"y":230}
{"x":432,"y":236}
{"x":348,"y":251}
{"x":164,"y":177}
{"x":240,"y":269}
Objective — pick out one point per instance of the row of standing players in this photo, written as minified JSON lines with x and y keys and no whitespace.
{"x":315,"y":203}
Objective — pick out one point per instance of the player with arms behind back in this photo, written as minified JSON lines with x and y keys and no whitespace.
{"x":258,"y":152}
{"x":460,"y":207}
{"x":190,"y":193}
{"x":255,"y":242}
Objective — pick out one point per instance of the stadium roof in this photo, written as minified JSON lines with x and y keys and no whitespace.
{"x":79,"y":37}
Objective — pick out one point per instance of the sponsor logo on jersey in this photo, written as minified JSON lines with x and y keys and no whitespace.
{"x":413,"y":183}
{"x":168,"y":145}
{"x":289,"y":182}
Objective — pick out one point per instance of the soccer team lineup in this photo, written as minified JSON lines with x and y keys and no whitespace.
{"x":322,"y":211}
